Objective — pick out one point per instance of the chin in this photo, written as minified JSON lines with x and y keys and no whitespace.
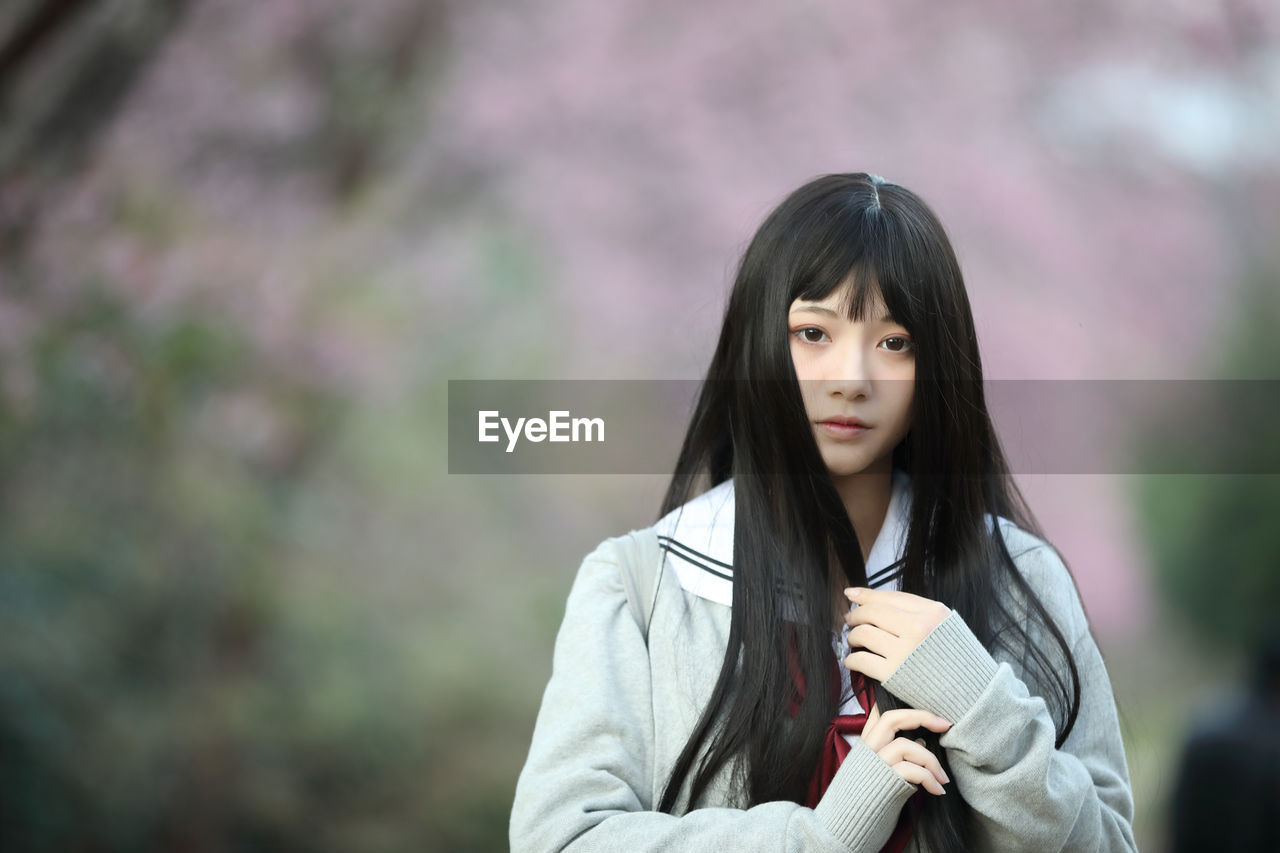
{"x":846,"y":467}
{"x":848,"y":464}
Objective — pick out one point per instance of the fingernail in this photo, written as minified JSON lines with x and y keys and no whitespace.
{"x":941,"y":721}
{"x":853,"y":593}
{"x":946,"y":780}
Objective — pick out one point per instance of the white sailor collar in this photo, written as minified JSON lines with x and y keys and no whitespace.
{"x":697,"y":540}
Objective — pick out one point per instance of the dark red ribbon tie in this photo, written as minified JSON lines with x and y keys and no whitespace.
{"x":835,"y":747}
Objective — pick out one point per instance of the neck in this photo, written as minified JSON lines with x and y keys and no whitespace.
{"x":866,"y":499}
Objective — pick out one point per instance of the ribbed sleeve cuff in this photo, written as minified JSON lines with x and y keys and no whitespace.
{"x":946,"y":672}
{"x":862,"y":803}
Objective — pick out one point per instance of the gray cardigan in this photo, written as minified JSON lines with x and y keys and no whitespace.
{"x":619,"y":708}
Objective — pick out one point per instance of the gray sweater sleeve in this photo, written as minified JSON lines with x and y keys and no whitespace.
{"x":587,"y":782}
{"x":1026,"y":794}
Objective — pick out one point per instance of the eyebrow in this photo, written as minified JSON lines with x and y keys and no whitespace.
{"x":818,"y":309}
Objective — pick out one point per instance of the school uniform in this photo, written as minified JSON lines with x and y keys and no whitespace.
{"x":624,"y":697}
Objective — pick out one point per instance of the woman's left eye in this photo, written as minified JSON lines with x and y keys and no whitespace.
{"x":897,"y":343}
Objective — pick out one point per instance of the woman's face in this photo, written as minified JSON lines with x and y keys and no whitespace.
{"x":857,"y":379}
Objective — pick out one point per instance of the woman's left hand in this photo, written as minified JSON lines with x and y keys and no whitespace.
{"x":885,"y":626}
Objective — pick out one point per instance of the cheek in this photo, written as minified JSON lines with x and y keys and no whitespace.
{"x":808,"y":394}
{"x":802,"y":361}
{"x":906,"y":406}
{"x":807,"y":374}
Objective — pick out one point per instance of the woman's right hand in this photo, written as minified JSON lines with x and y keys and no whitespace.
{"x":908,"y":758}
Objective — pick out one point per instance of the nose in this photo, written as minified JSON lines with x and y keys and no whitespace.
{"x":853,"y":381}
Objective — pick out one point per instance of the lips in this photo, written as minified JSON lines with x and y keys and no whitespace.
{"x":843,"y":428}
{"x":841,"y":420}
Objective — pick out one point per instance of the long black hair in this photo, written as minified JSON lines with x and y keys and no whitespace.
{"x":791,"y":525}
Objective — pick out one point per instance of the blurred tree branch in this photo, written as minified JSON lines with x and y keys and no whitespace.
{"x":34,"y":29}
{"x":66,"y":67}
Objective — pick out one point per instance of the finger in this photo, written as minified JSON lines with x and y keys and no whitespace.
{"x":895,"y":597}
{"x":901,"y":749}
{"x":905,"y":719}
{"x":886,"y":617}
{"x":887,"y":725}
{"x":874,"y":639}
{"x":868,"y":664}
{"x":917,"y":775}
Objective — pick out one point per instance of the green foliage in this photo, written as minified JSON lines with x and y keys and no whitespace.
{"x":1213,"y":536}
{"x":161,"y":685}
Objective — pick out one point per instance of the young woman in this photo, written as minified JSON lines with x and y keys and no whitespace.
{"x":845,"y":631}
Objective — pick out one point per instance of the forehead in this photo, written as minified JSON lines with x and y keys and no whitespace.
{"x":848,"y":301}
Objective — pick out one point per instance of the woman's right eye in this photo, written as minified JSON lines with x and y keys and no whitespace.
{"x":810,"y":334}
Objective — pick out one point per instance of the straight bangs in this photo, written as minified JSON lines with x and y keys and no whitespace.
{"x":862,"y":252}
